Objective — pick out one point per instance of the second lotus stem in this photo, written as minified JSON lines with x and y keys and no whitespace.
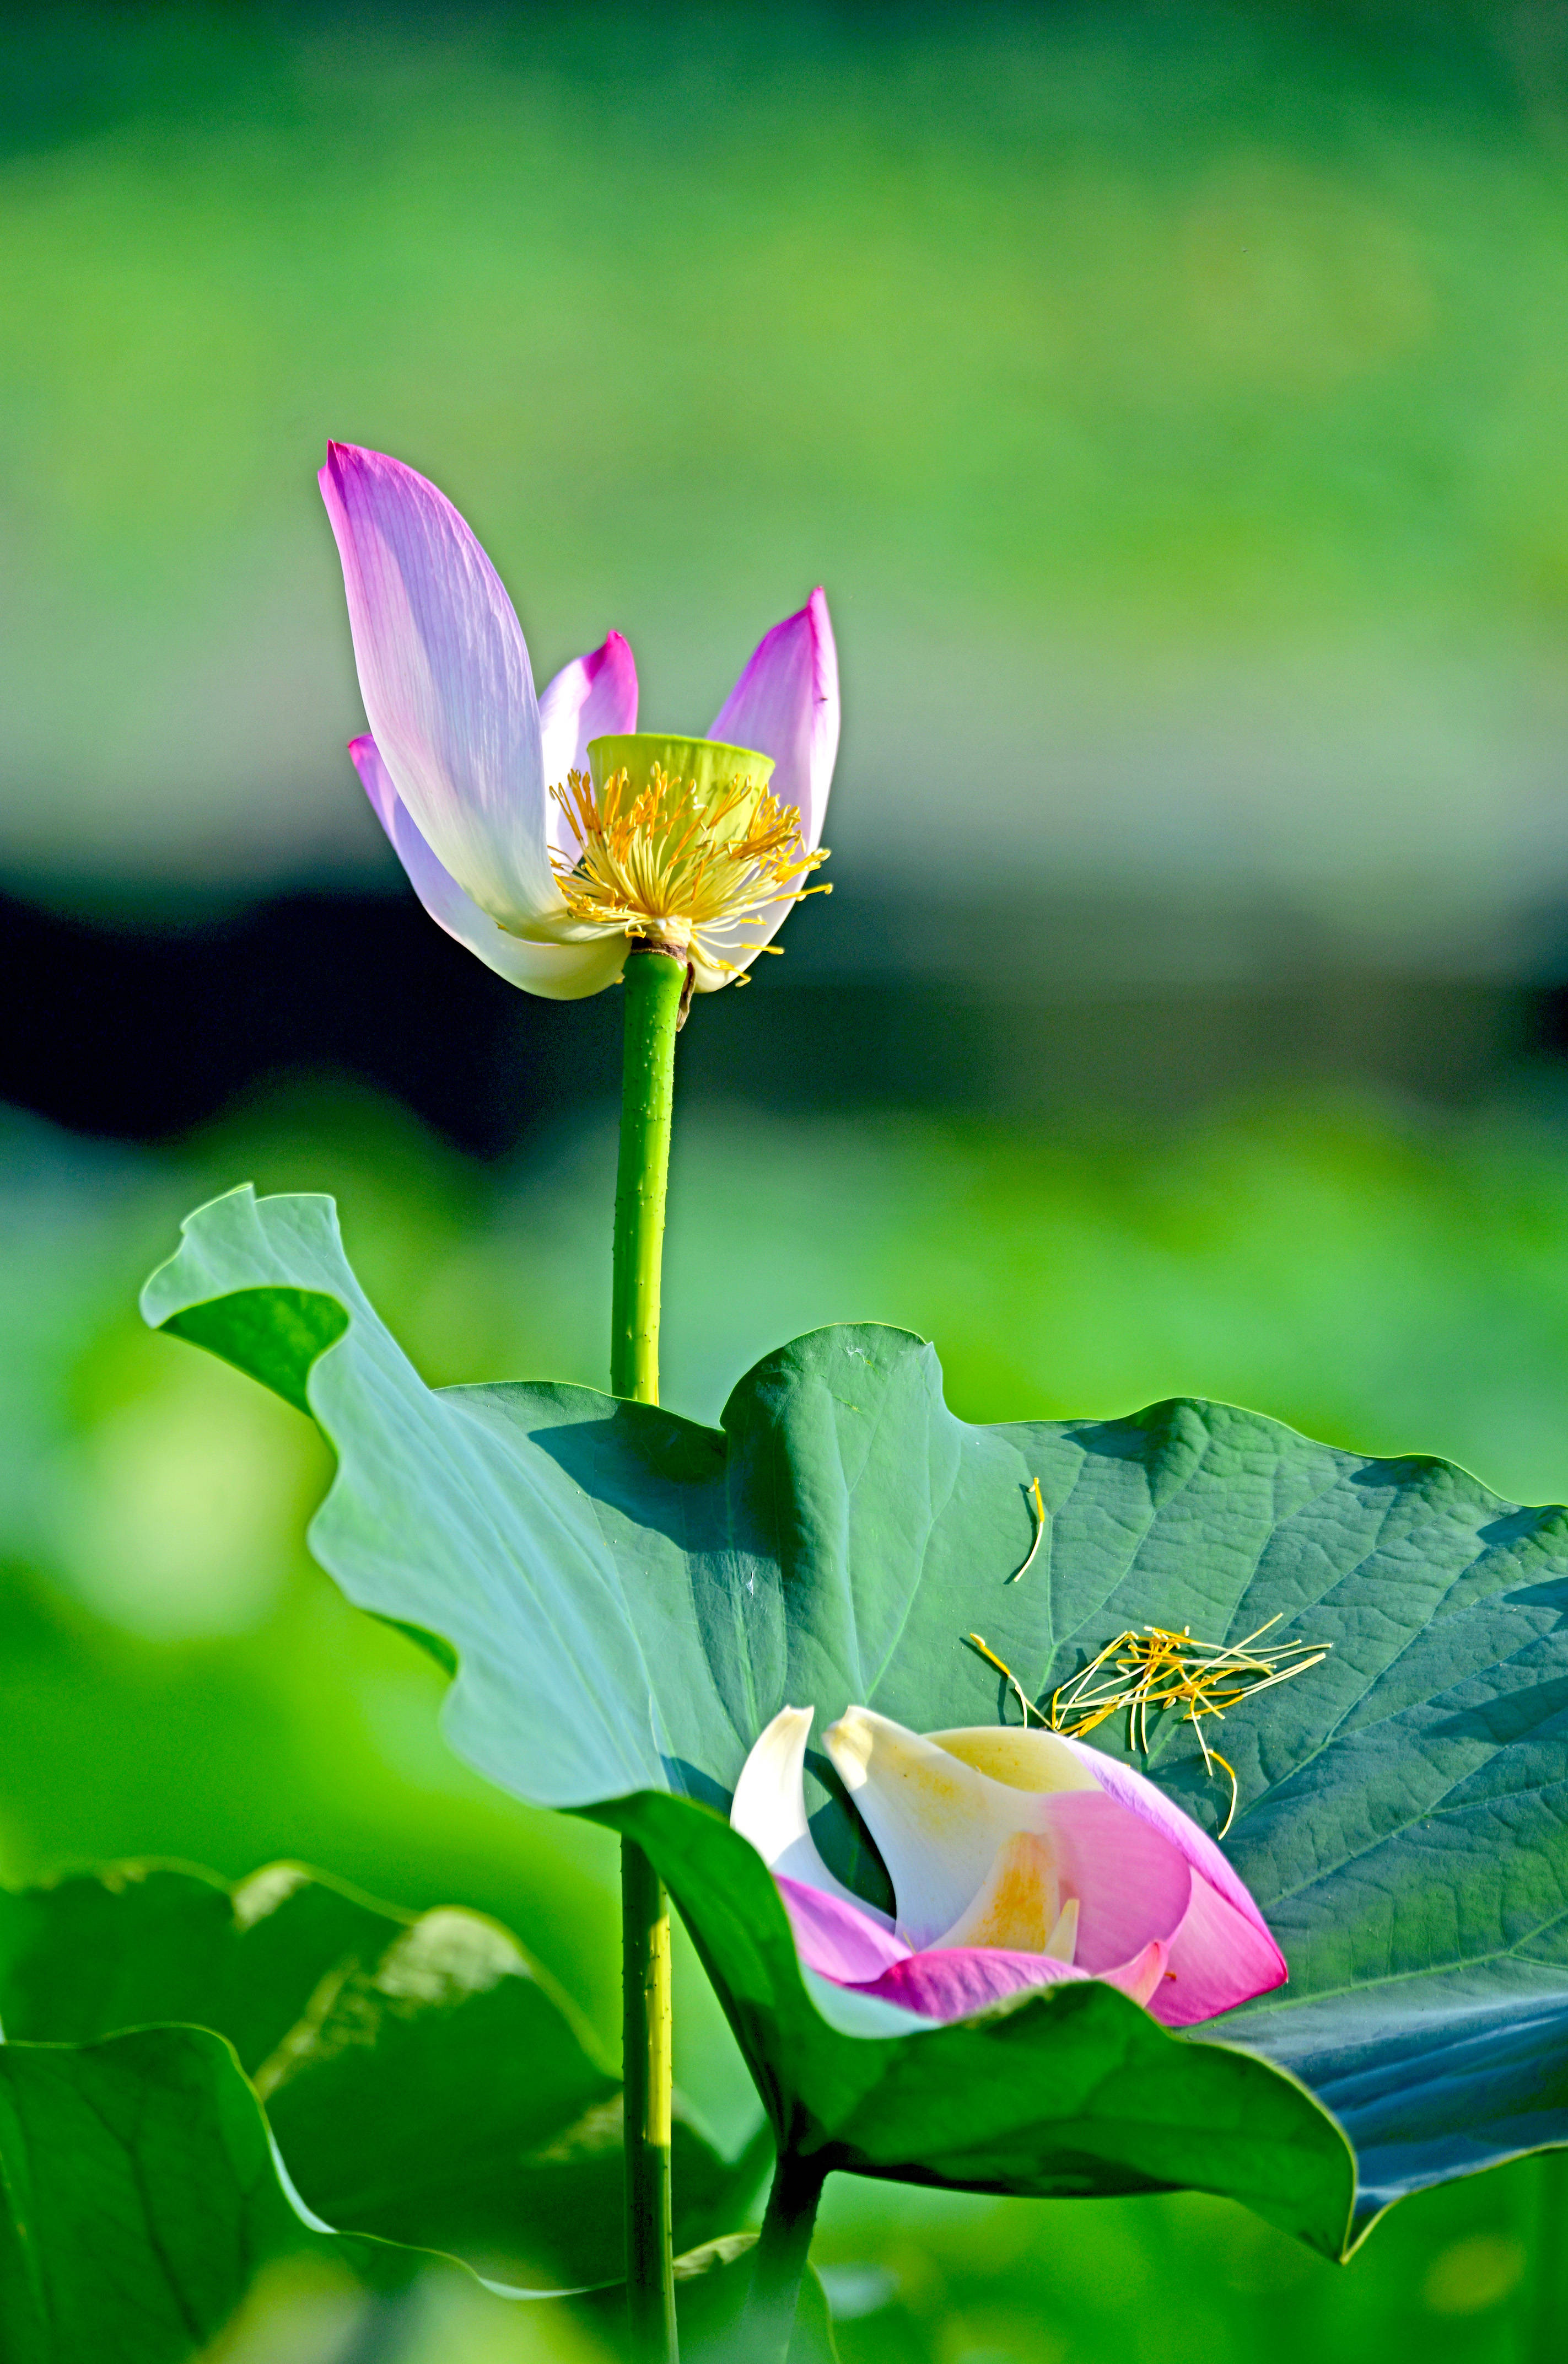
{"x":779,"y":2259}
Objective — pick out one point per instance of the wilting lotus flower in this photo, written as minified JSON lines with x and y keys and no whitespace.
{"x":1018,"y":1859}
{"x":545,"y":834}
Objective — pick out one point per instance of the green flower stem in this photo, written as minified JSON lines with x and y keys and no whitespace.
{"x":779,"y":2259}
{"x":653,"y":986}
{"x":654,"y":983}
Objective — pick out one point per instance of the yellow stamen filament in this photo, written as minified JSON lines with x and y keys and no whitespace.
{"x":1037,"y":1504}
{"x":678,"y":863}
{"x":1157,"y":1667}
{"x":989,"y":1655}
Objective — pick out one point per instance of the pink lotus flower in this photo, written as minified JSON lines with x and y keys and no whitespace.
{"x":1018,"y":1859}
{"x":545,"y":833}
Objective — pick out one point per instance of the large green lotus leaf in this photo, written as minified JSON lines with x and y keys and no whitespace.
{"x":632,"y":1597}
{"x":138,"y":2197}
{"x":425,"y":2082}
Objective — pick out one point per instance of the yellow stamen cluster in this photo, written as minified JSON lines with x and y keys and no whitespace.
{"x":1156,"y":1668}
{"x":677,"y":863}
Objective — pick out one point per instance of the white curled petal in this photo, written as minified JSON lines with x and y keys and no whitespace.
{"x":1019,"y":1903}
{"x":769,"y":1809}
{"x":937,"y":1824}
{"x":556,"y":972}
{"x":444,"y":672}
{"x":976,"y":1861}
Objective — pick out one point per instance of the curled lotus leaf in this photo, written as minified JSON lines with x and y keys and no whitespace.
{"x":425,"y":2081}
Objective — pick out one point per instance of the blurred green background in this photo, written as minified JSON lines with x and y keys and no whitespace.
{"x":1171,"y":400}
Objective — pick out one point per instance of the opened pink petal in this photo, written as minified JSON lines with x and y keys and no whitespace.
{"x":835,"y":1939}
{"x":1132,"y":1883}
{"x":1217,"y":1960}
{"x":594,"y":696}
{"x":951,"y":1982}
{"x":1142,"y":1977}
{"x":445,"y":677}
{"x":1137,"y":1792}
{"x":555,"y":972}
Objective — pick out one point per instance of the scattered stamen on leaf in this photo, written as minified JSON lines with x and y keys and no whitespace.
{"x":1168,"y":1670}
{"x":1157,"y":1667}
{"x":675,"y":862}
{"x":989,"y":1655}
{"x":1032,"y":1494}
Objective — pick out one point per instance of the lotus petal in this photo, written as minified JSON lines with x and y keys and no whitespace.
{"x":594,"y":696}
{"x":1130,"y":1884}
{"x":1041,"y":1761}
{"x":769,"y":1809}
{"x":937,"y":1824}
{"x":555,"y":972}
{"x":943,"y":1828}
{"x":1223,"y":1954}
{"x":1020,"y":1903}
{"x":785,"y":703}
{"x":838,"y":1939}
{"x":1217,"y":1960}
{"x":445,"y":677}
{"x":956,"y":1982}
{"x":1136,"y":1791}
